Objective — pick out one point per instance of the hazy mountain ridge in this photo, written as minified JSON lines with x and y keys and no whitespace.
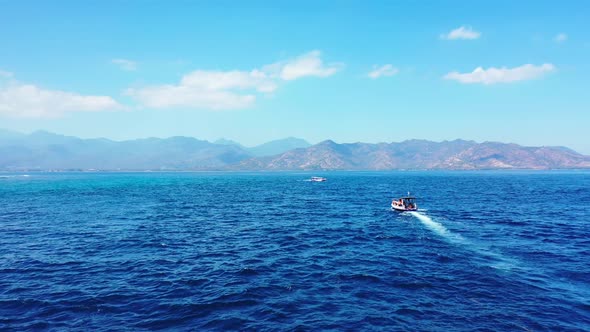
{"x":420,"y":154}
{"x":46,"y":151}
{"x":269,"y":148}
{"x":278,"y":146}
{"x":42,"y":150}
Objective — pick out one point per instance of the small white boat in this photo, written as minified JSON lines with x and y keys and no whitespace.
{"x":407,"y":203}
{"x":317,"y":179}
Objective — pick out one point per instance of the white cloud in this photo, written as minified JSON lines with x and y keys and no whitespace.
{"x":216,"y":90}
{"x":385,"y":70}
{"x":235,"y":89}
{"x":560,"y":38}
{"x":219,"y":80}
{"x":27,"y":100}
{"x":167,"y":96}
{"x":125,"y":64}
{"x":309,"y":64}
{"x":501,"y":75}
{"x":463,"y":32}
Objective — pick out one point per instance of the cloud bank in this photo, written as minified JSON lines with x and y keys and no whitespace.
{"x":501,"y":75}
{"x":234,"y":89}
{"x":28,"y":100}
{"x":463,"y":32}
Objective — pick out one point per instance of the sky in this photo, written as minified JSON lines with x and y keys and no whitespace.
{"x":255,"y":71}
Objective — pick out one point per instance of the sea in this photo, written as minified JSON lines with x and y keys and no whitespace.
{"x":273,"y":251}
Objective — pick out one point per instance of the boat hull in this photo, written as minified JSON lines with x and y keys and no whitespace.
{"x":402,"y":209}
{"x":317,"y":179}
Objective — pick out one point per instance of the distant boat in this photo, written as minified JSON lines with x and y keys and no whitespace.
{"x":317,"y":179}
{"x":407,"y":203}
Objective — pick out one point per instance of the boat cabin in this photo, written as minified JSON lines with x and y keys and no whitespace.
{"x":407,"y":203}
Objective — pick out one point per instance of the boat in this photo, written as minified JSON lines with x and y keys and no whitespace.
{"x":407,"y":203}
{"x":317,"y":179}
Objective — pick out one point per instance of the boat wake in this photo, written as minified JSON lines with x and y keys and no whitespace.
{"x":489,"y":257}
{"x":497,"y":260}
{"x":437,"y":227}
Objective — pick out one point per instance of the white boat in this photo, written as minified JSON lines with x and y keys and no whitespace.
{"x":317,"y":179}
{"x":407,"y":203}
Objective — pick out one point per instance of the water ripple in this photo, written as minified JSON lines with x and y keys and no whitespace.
{"x":217,"y":251}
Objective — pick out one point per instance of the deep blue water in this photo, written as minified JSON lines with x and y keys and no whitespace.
{"x":502,"y":251}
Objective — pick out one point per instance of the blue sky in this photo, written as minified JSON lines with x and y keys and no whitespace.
{"x":253,"y":71}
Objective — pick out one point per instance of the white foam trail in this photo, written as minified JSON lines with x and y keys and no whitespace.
{"x":437,"y":227}
{"x":501,"y":262}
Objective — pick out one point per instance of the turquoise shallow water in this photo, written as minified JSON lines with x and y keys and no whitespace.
{"x":270,"y":251}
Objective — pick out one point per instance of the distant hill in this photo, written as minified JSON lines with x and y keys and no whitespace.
{"x":279,"y":146}
{"x":6,"y":135}
{"x":269,"y":148}
{"x":223,"y":141}
{"x":47,"y":151}
{"x":420,"y":154}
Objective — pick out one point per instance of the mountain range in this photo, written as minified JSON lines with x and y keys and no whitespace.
{"x":42,"y":150}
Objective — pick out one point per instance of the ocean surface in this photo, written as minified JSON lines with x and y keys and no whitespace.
{"x":488,"y":251}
